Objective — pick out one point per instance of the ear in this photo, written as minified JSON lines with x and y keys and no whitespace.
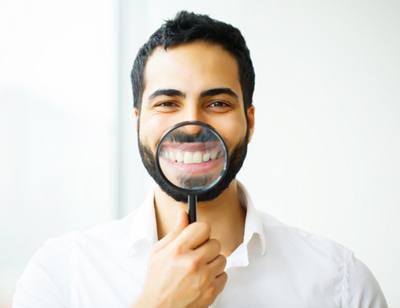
{"x":136,"y":112}
{"x":251,"y":120}
{"x":136,"y":116}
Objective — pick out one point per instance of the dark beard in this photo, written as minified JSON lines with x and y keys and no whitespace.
{"x":235,"y":163}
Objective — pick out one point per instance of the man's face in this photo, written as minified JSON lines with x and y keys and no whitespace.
{"x":193,"y":82}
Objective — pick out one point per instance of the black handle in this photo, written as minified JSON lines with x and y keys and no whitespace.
{"x":192,"y":200}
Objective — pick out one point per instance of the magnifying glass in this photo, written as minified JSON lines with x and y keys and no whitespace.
{"x":192,"y":158}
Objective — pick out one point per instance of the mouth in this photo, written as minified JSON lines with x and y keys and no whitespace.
{"x":195,"y":158}
{"x":191,"y":153}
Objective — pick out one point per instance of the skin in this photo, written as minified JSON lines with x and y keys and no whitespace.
{"x":191,"y":70}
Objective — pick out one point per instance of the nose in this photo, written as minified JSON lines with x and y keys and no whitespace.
{"x":193,"y":112}
{"x":192,"y":129}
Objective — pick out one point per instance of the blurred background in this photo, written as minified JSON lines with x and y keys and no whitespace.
{"x":324,"y":158}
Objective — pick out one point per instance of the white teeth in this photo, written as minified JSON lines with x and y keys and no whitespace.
{"x":214,"y":154}
{"x":206,"y":156}
{"x":191,"y":157}
{"x":188,"y":158}
{"x":179,"y":157}
{"x":197,"y":157}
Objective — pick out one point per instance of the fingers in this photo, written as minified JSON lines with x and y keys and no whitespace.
{"x":220,"y":281}
{"x":181,"y":222}
{"x":217,"y":266}
{"x":208,"y":251}
{"x":210,"y":294}
{"x":193,"y":236}
{"x":218,"y":285}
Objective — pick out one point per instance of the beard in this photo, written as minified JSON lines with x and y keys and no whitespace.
{"x":236,"y":159}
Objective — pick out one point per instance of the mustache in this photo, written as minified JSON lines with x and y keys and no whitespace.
{"x":201,"y":136}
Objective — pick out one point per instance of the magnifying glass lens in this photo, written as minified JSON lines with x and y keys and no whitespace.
{"x":192,"y":157}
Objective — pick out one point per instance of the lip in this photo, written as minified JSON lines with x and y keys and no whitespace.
{"x":202,"y":168}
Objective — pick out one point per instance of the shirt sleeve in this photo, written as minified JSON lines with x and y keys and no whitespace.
{"x":361,"y":290}
{"x":44,"y":282}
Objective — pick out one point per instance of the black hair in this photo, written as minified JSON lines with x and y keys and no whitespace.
{"x":188,"y":27}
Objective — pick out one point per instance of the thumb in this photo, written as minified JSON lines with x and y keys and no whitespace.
{"x":182,"y":221}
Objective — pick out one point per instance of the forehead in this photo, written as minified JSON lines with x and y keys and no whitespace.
{"x":191,"y":68}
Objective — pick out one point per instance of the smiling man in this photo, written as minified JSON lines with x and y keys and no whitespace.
{"x":195,"y":68}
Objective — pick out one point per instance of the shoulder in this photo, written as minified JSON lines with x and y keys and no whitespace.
{"x":108,"y":236}
{"x":49,"y":274}
{"x":108,"y":233}
{"x":286,"y":237}
{"x":56,"y":252}
{"x":328,"y":260}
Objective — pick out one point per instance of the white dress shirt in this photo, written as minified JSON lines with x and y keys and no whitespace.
{"x":276,"y":266}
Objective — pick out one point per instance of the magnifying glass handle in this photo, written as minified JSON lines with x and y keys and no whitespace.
{"x":192,"y":200}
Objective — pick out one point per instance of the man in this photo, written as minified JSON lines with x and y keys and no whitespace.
{"x":195,"y":68}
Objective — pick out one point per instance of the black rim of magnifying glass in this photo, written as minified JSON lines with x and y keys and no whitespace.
{"x":195,"y":192}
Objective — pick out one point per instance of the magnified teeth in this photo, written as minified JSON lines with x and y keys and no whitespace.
{"x":206,"y":157}
{"x":197,"y":157}
{"x":214,"y":154}
{"x":179,"y":157}
{"x":188,"y":158}
{"x":192,"y":157}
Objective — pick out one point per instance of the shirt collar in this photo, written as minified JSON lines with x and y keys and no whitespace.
{"x":254,"y":238}
{"x":143,"y":224}
{"x":143,"y":228}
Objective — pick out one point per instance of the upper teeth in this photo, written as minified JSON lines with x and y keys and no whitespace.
{"x":190,"y":157}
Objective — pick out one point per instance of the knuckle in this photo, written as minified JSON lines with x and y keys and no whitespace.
{"x":178,"y":249}
{"x":204,"y":280}
{"x":223,"y":275}
{"x":204,"y":228}
{"x":224,"y":278}
{"x":193,"y":265}
{"x":211,"y":292}
{"x":222,"y":260}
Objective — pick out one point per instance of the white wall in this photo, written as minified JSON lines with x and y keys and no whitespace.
{"x":328,"y":117}
{"x":58,"y":106}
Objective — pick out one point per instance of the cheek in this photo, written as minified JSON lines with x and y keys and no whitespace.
{"x":150,"y":131}
{"x":233,"y":131}
{"x":153,"y":127}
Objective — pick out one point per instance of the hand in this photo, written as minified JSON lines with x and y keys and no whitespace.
{"x":185,"y":268}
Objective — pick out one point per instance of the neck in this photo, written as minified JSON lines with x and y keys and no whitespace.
{"x":224,"y":214}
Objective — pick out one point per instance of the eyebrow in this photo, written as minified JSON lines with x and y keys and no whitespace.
{"x":217,"y":91}
{"x":206,"y":93}
{"x":166,"y":92}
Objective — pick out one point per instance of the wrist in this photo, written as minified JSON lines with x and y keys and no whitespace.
{"x":145,"y":301}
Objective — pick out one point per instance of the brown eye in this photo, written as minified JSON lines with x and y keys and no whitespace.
{"x":166,"y":104}
{"x":219,"y":106}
